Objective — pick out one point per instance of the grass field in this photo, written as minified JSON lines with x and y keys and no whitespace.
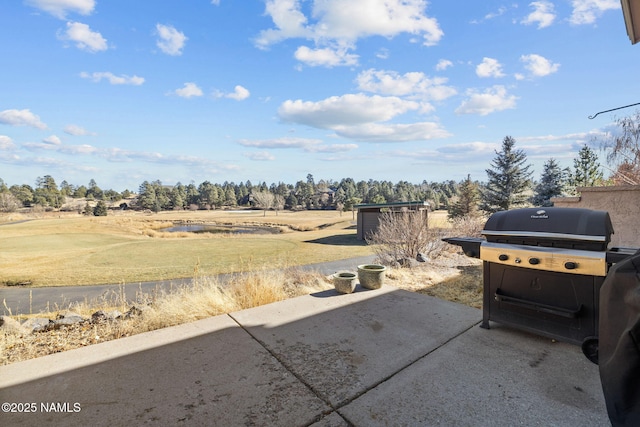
{"x":128,"y":247}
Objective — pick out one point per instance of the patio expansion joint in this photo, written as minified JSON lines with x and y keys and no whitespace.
{"x":336,"y":408}
{"x":408,"y":365}
{"x":292,"y":372}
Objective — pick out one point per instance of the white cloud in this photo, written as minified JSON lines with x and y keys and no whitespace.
{"x":331,"y":148}
{"x":415,"y":84}
{"x":52,"y":140}
{"x":216,"y":2}
{"x":76,"y":130}
{"x":260,"y":156}
{"x":60,"y":8}
{"x":443,"y":64}
{"x":489,"y":67}
{"x":382,"y":53}
{"x":543,"y":14}
{"x":580,"y":137}
{"x":21,"y":118}
{"x":54,"y":144}
{"x":587,"y":11}
{"x":539,"y":66}
{"x":327,"y":57}
{"x":350,"y":109}
{"x":470,"y":148}
{"x":501,"y":11}
{"x":341,"y":23}
{"x":239,"y":93}
{"x":280,"y":143}
{"x":171,"y":40}
{"x":359,"y":117}
{"x":6,"y":143}
{"x":491,"y":100}
{"x":189,"y":90}
{"x":113,"y":79}
{"x":392,"y":132}
{"x":305,"y":144}
{"x":84,"y":38}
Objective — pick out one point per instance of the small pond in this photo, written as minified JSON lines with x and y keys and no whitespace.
{"x":222,"y":229}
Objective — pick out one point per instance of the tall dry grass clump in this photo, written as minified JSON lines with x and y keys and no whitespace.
{"x":205,"y":297}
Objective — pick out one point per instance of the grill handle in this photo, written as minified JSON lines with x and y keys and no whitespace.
{"x":543,"y":308}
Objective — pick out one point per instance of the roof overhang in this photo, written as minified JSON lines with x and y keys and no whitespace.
{"x":631,"y":12}
{"x":412,"y":205}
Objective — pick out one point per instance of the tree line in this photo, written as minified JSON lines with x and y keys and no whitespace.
{"x":509,"y":184}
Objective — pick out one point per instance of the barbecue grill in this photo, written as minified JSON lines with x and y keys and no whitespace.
{"x":543,"y":269}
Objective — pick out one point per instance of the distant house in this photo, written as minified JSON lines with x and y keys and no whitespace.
{"x":369,"y":214}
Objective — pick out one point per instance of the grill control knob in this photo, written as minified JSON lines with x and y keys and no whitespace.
{"x":503,"y":257}
{"x":534,"y":261}
{"x":570,"y":265}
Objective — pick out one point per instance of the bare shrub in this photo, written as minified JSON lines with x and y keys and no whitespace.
{"x":9,"y":202}
{"x":468,"y":226}
{"x":403,"y":235}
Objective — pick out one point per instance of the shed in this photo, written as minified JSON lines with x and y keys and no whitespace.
{"x":369,"y":214}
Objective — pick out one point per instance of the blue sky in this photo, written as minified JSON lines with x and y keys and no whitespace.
{"x":271,"y":90}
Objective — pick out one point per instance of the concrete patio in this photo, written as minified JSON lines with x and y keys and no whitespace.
{"x":384,"y":357}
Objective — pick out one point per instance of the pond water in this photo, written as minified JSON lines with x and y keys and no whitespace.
{"x":220,"y":229}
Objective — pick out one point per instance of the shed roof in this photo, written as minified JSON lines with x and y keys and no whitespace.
{"x":391,"y":205}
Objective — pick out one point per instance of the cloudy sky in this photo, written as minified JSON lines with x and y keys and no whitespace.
{"x":123,"y":91}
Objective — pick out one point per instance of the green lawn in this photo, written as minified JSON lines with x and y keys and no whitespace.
{"x":77,"y":250}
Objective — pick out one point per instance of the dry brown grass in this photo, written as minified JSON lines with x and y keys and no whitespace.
{"x":452,"y":277}
{"x":205,"y":298}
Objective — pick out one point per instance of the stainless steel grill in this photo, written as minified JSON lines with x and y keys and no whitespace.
{"x":543,"y":269}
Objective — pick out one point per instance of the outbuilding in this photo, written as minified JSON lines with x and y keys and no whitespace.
{"x":369,"y":214}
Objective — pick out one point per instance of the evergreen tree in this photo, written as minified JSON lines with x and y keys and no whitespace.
{"x":147,"y":198}
{"x":509,"y":179}
{"x":586,"y":169}
{"x":88,"y":210}
{"x":47,"y":193}
{"x":552,"y":184}
{"x":100,"y":209}
{"x":467,"y":203}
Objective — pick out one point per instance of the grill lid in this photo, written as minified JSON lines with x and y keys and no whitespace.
{"x":570,"y":228}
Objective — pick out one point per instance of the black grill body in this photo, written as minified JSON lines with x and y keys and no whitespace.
{"x":561,"y":306}
{"x":543,"y":269}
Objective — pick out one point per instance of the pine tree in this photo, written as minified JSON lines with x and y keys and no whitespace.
{"x":467,"y":203}
{"x":552,"y":184}
{"x":587,"y":172}
{"x":508,"y":180}
{"x":100,"y":209}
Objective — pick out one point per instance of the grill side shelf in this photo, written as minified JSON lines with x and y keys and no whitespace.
{"x":544,"y":308}
{"x":470,"y":245}
{"x":615,"y":255}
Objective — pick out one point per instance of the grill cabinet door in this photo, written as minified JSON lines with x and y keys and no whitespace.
{"x":557,"y":305}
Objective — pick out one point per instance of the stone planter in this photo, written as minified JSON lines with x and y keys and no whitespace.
{"x":371,"y":276}
{"x":345,"y":282}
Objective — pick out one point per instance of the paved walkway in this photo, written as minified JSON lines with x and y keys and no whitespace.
{"x":372,"y":358}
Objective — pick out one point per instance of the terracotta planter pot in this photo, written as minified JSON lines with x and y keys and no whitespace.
{"x":371,"y":276}
{"x":345,"y":282}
